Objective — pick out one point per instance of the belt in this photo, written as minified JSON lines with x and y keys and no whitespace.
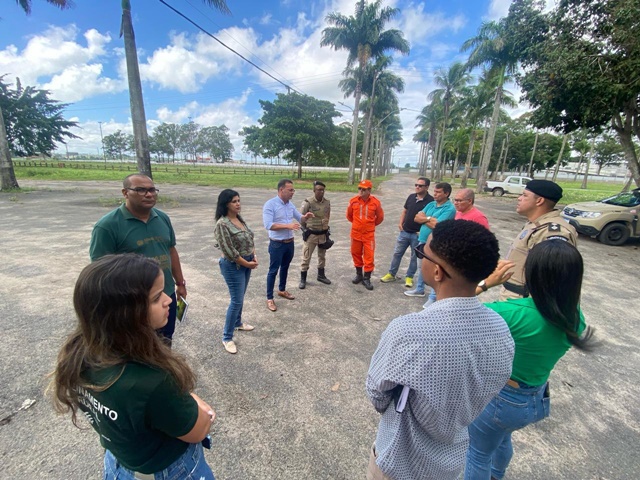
{"x":288,"y":240}
{"x":521,"y":290}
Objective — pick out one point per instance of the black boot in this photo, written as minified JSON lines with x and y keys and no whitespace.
{"x":303,"y":280}
{"x":358,"y":278}
{"x":321,"y":278}
{"x":366,"y":281}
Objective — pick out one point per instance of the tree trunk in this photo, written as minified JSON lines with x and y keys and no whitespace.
{"x":454,"y":169}
{"x":6,"y":165}
{"x":586,"y":170}
{"x":354,"y":134}
{"x":494,"y":174}
{"x":624,"y":131}
{"x":467,"y":164}
{"x":575,"y":177}
{"x":486,"y":158}
{"x":533,"y":154}
{"x":138,"y":118}
{"x":434,"y":163}
{"x":299,"y":166}
{"x":557,"y":169}
{"x":504,"y":160}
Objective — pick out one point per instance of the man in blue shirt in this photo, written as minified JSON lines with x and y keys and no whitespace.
{"x":278,"y":216}
{"x":437,"y":211}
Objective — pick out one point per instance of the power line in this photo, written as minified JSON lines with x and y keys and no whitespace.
{"x":288,"y":87}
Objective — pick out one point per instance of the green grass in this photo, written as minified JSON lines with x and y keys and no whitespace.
{"x":221,"y":176}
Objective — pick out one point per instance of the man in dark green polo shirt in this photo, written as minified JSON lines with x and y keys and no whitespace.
{"x":137,"y":227}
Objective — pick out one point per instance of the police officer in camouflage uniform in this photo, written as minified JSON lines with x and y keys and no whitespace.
{"x":537,"y":203}
{"x":315,"y":232}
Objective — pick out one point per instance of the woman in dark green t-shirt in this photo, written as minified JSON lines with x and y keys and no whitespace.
{"x":133,"y":389}
{"x":544,"y":327}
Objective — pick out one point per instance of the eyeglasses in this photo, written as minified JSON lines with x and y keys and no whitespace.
{"x":419,"y":185}
{"x":458,"y":200}
{"x":360,"y":188}
{"x":144,"y":191}
{"x":421,"y":255}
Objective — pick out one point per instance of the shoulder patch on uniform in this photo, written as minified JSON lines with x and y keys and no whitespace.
{"x":557,"y":237}
{"x":554,"y":227}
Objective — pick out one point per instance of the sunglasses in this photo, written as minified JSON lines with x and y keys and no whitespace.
{"x":421,"y":255}
{"x":418,"y":185}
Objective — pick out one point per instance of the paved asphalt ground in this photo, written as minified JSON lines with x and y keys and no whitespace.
{"x":291,"y":404}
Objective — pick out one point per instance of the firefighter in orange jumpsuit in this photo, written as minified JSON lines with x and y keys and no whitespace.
{"x":365,"y":213}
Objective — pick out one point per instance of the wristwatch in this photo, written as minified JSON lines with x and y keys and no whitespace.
{"x":183,"y":283}
{"x":428,"y":218}
{"x":483,"y":286}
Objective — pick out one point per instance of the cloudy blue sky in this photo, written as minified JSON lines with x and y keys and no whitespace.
{"x":77,"y":55}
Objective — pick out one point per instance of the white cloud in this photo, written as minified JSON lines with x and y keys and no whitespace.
{"x":266,"y":19}
{"x":52,"y":52}
{"x":418,"y":25}
{"x":498,"y":9}
{"x":188,"y":63}
{"x":79,"y":82}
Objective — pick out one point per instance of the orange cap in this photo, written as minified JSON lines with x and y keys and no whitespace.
{"x":365,"y":184}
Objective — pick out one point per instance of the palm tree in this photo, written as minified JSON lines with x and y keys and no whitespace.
{"x":490,"y":47}
{"x":138,"y":117}
{"x":428,"y":121}
{"x":8,"y":176}
{"x":451,"y":81}
{"x":380,"y":87}
{"x":363,"y":36}
{"x":62,"y":4}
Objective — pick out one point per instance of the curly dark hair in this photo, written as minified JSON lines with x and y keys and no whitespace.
{"x":468,"y":247}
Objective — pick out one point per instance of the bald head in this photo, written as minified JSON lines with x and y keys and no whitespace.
{"x":126,"y":183}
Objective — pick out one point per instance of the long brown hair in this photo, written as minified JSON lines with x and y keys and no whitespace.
{"x":111,"y":300}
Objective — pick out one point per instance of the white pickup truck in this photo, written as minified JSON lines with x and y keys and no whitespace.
{"x":511,"y":184}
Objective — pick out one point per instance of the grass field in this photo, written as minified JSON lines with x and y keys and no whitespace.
{"x":220,"y":176}
{"x":253,"y":176}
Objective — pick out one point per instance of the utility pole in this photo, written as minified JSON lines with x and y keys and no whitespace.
{"x":102,"y":141}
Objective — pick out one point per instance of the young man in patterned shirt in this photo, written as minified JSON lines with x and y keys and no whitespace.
{"x":447,"y":361}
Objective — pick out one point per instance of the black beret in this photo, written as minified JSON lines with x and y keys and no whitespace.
{"x":546,"y":189}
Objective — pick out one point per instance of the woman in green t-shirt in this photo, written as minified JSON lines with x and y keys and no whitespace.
{"x":544,"y":327}
{"x":131,"y":387}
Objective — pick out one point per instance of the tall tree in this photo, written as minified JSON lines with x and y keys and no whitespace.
{"x":490,"y":47}
{"x":6,"y":165}
{"x":117,"y":143}
{"x":138,"y":116}
{"x":292,"y":126}
{"x":581,"y":66}
{"x":31,"y":123}
{"x":363,"y":36}
{"x":452,"y":82}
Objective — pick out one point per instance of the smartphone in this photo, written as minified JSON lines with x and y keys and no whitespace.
{"x":181,"y":309}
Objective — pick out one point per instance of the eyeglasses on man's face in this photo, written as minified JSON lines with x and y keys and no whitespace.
{"x":423,"y":256}
{"x":144,"y":191}
{"x":363,"y":189}
{"x":459,"y":200}
{"x":420,"y":185}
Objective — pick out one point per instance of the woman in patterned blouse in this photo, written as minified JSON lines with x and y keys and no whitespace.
{"x":238,"y":257}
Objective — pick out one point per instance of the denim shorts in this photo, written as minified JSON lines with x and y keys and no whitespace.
{"x":191,"y":465}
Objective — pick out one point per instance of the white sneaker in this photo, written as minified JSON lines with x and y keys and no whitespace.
{"x":414,"y":293}
{"x":428,"y":303}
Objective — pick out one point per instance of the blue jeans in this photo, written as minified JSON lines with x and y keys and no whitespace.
{"x":170,"y":327}
{"x":280,"y":256}
{"x":490,"y":448}
{"x":237,"y":278}
{"x":404,"y":241}
{"x":191,"y":465}
{"x":419,"y":284}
